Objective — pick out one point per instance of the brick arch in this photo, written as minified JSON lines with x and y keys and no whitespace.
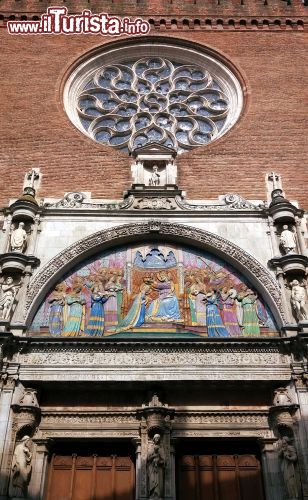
{"x":247,"y":265}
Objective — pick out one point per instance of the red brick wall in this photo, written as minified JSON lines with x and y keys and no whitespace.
{"x":270,"y":135}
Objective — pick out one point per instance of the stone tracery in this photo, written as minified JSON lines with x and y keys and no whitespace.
{"x":153,"y":99}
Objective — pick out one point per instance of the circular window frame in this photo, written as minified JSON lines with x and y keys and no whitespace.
{"x":118,"y":53}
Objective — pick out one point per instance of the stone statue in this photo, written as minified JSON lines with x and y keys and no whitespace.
{"x":156,"y":471}
{"x":31,"y":176}
{"x":21,"y":466}
{"x":155,"y":177}
{"x":29,"y":398}
{"x":288,"y":456}
{"x":287,"y":240}
{"x":7,"y":297}
{"x":19,"y":239}
{"x":298,"y":300}
{"x":282,"y":397}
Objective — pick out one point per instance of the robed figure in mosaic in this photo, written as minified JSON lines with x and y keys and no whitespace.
{"x":76,"y":315}
{"x":56,"y":312}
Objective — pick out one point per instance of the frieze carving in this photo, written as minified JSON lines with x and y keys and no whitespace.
{"x":173,"y":231}
{"x":155,"y":204}
{"x":262,"y":433}
{"x":88,"y":434}
{"x":154,"y":357}
{"x":222,"y":418}
{"x":81,"y":419}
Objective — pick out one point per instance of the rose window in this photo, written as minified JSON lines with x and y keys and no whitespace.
{"x":131,"y":103}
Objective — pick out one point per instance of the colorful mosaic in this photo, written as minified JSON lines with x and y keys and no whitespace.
{"x":153,"y":290}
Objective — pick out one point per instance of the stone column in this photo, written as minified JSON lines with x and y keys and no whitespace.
{"x":141,"y":494}
{"x":137,"y":443}
{"x":6,"y":434}
{"x":272,"y":478}
{"x":6,"y":233}
{"x":172,"y":471}
{"x":33,"y":237}
{"x":300,"y":236}
{"x":272,"y":232}
{"x":155,"y":430}
{"x":39,"y":469}
{"x":285,"y":301}
{"x":302,"y":435}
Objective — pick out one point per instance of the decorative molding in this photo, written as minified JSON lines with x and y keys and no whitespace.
{"x":220,"y":418}
{"x":79,"y":200}
{"x":86,"y":418}
{"x":208,"y":21}
{"x":147,"y":356}
{"x":230,"y":201}
{"x":164,"y":200}
{"x":106,"y":433}
{"x":159,"y":203}
{"x":241,"y":260}
{"x":260,"y":433}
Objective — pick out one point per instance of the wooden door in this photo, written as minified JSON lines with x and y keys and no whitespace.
{"x":219,"y":477}
{"x":74,"y":477}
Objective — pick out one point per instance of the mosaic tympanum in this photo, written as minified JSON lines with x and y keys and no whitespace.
{"x":153,"y":290}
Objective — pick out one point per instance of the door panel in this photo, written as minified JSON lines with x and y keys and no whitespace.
{"x":91,"y":478}
{"x":219,"y":477}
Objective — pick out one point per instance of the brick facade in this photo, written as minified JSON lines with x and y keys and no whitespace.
{"x":270,"y":135}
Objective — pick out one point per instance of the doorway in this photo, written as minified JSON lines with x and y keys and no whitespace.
{"x":87,"y":472}
{"x":219,"y":471}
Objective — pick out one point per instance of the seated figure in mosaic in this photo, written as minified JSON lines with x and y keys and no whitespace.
{"x":215,"y":326}
{"x":166,"y":306}
{"x":56,"y":311}
{"x":75,"y":321}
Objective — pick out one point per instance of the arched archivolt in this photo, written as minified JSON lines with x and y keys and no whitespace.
{"x":243,"y":262}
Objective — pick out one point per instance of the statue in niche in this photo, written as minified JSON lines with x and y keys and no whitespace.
{"x":287,"y":240}
{"x":19,"y":239}
{"x":21,"y":467}
{"x":298,"y":300}
{"x":282,"y":397}
{"x":156,"y":470}
{"x":288,"y":458}
{"x":8,"y":293}
{"x":155,"y":177}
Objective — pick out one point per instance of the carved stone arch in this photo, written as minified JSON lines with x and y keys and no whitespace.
{"x":256,"y":273}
